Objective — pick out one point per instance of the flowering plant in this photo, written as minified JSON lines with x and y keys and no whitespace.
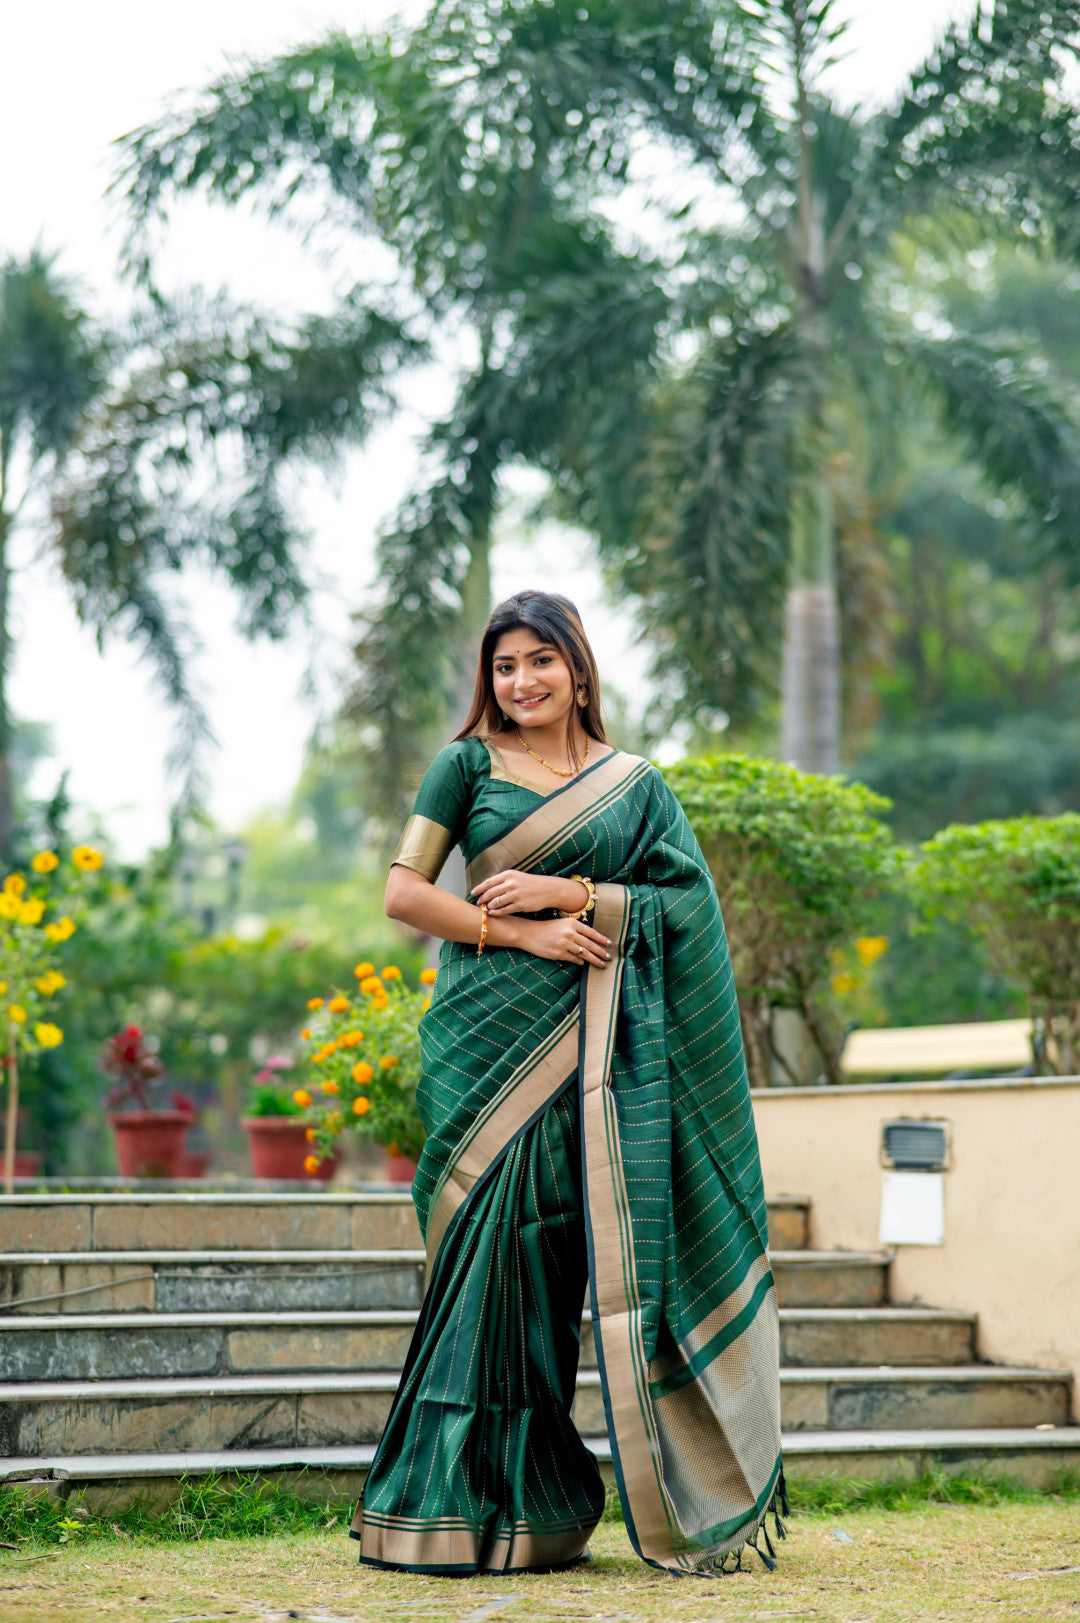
{"x":364,"y":1059}
{"x":272,"y":1095}
{"x":35,"y":919}
{"x":127,"y":1058}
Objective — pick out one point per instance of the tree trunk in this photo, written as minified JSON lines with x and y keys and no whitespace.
{"x":7,"y":788}
{"x":12,"y":1120}
{"x":811,"y":663}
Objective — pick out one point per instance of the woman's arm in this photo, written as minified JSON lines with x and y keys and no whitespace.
{"x":414,"y":900}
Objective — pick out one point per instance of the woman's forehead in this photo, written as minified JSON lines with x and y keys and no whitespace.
{"x":520,"y":643}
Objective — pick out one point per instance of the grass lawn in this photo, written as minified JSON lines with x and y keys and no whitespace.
{"x":1014,"y":1559}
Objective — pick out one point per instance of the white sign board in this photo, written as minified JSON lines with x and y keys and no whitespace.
{"x":913,"y":1208}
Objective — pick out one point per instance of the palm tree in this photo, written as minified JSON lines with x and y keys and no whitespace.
{"x":138,"y":455}
{"x":688,"y":399}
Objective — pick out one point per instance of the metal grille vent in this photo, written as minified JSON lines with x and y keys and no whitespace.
{"x":915,"y":1145}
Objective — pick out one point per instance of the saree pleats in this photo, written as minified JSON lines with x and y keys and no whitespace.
{"x":480,"y":1467}
{"x":587,"y":1124}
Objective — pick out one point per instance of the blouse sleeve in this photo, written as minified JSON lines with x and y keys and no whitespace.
{"x":439,"y":814}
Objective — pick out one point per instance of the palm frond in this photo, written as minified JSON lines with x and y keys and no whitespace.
{"x":989,"y":117}
{"x":707,"y":554}
{"x":52,"y":360}
{"x":1001,"y":402}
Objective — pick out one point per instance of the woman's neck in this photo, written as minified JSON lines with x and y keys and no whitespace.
{"x":555,"y":741}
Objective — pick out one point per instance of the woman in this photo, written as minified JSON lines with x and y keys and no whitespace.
{"x":588,"y":1121}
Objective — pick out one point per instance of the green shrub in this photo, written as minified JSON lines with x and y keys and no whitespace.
{"x":1017,"y":884}
{"x":798,"y":861}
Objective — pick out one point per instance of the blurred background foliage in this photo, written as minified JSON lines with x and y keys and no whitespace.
{"x":655,"y":376}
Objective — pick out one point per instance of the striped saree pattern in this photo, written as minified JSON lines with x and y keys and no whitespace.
{"x":586,"y":1128}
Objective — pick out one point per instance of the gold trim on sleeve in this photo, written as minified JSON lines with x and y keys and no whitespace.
{"x":424,"y":846}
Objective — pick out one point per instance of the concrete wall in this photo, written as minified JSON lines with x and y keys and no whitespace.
{"x":1012,"y":1198}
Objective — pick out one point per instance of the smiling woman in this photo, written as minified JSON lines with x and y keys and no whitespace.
{"x":588,"y":1119}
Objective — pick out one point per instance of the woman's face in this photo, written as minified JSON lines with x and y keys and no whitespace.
{"x":534,"y":686}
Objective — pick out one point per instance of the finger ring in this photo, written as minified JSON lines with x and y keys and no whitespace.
{"x":579,"y":948}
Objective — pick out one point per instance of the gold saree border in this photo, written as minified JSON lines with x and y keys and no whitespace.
{"x":616,"y":1303}
{"x":451,"y":1541}
{"x":424,"y":846}
{"x":557,"y":817}
{"x":535,"y":1083}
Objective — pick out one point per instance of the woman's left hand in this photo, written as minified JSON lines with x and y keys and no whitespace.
{"x":515,"y":892}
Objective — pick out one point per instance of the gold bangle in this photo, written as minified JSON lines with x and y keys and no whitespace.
{"x":483,"y":928}
{"x":582,"y":913}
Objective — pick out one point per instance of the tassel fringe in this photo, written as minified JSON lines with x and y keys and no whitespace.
{"x":732,"y":1561}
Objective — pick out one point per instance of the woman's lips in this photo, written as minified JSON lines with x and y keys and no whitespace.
{"x":530,"y":704}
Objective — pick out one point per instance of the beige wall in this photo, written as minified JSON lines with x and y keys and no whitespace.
{"x":1012,"y":1198}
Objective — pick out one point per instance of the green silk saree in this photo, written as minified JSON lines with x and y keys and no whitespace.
{"x":586,"y":1128}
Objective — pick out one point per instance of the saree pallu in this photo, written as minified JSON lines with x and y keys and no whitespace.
{"x":587,"y":1126}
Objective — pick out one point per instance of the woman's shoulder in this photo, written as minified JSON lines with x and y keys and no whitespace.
{"x":462,"y":758}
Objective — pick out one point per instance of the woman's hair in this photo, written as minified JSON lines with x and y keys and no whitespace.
{"x":555,"y":621}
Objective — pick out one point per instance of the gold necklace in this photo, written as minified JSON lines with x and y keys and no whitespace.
{"x":562,"y":772}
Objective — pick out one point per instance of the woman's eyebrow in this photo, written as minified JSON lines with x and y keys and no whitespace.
{"x":544,"y":648}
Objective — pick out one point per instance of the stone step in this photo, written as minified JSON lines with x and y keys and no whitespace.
{"x":302,"y":1411}
{"x":109,"y":1482}
{"x":125,"y":1346}
{"x":210,"y":1281}
{"x":219,"y":1220}
{"x":831,"y":1278}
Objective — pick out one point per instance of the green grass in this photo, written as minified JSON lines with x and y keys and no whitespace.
{"x":237,"y":1507}
{"x":939,"y":1563}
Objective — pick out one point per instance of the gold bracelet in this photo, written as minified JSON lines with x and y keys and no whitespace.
{"x":582,"y":912}
{"x":483,"y":929}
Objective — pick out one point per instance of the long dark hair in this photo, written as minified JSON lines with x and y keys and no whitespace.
{"x":556,"y":622}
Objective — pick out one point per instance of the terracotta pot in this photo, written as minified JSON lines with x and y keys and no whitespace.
{"x":399,"y":1168}
{"x":193,"y":1164}
{"x":279,"y":1146}
{"x":150,"y":1143}
{"x":27,"y":1163}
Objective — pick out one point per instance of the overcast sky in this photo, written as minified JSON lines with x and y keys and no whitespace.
{"x":75,"y":76}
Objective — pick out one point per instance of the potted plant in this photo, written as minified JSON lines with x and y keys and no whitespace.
{"x":36,"y":918}
{"x":363,"y":1059}
{"x":149,"y":1141}
{"x":276,"y":1130}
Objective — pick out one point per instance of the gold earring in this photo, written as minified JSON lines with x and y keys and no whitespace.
{"x":582,"y":695}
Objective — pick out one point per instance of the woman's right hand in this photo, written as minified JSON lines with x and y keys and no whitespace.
{"x":565,"y":941}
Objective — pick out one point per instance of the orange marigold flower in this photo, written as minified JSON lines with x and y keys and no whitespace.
{"x":338,"y":1005}
{"x":388,"y":1061}
{"x":306,"y":1033}
{"x":391,"y":973}
{"x":315,"y":1002}
{"x":362,"y":971}
{"x":362,"y":1072}
{"x":309,"y":1134}
{"x":425,"y":1006}
{"x":428,"y":977}
{"x":371,"y":983}
{"x":361,"y":1106}
{"x":393,"y":1149}
{"x":330,"y":1086}
{"x":311,"y":1163}
{"x":301,"y":1097}
{"x":351,"y":1039}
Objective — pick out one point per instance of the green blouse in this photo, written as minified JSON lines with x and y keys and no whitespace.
{"x":467,"y":798}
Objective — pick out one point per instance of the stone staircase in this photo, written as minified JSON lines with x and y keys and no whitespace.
{"x":145,"y":1336}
